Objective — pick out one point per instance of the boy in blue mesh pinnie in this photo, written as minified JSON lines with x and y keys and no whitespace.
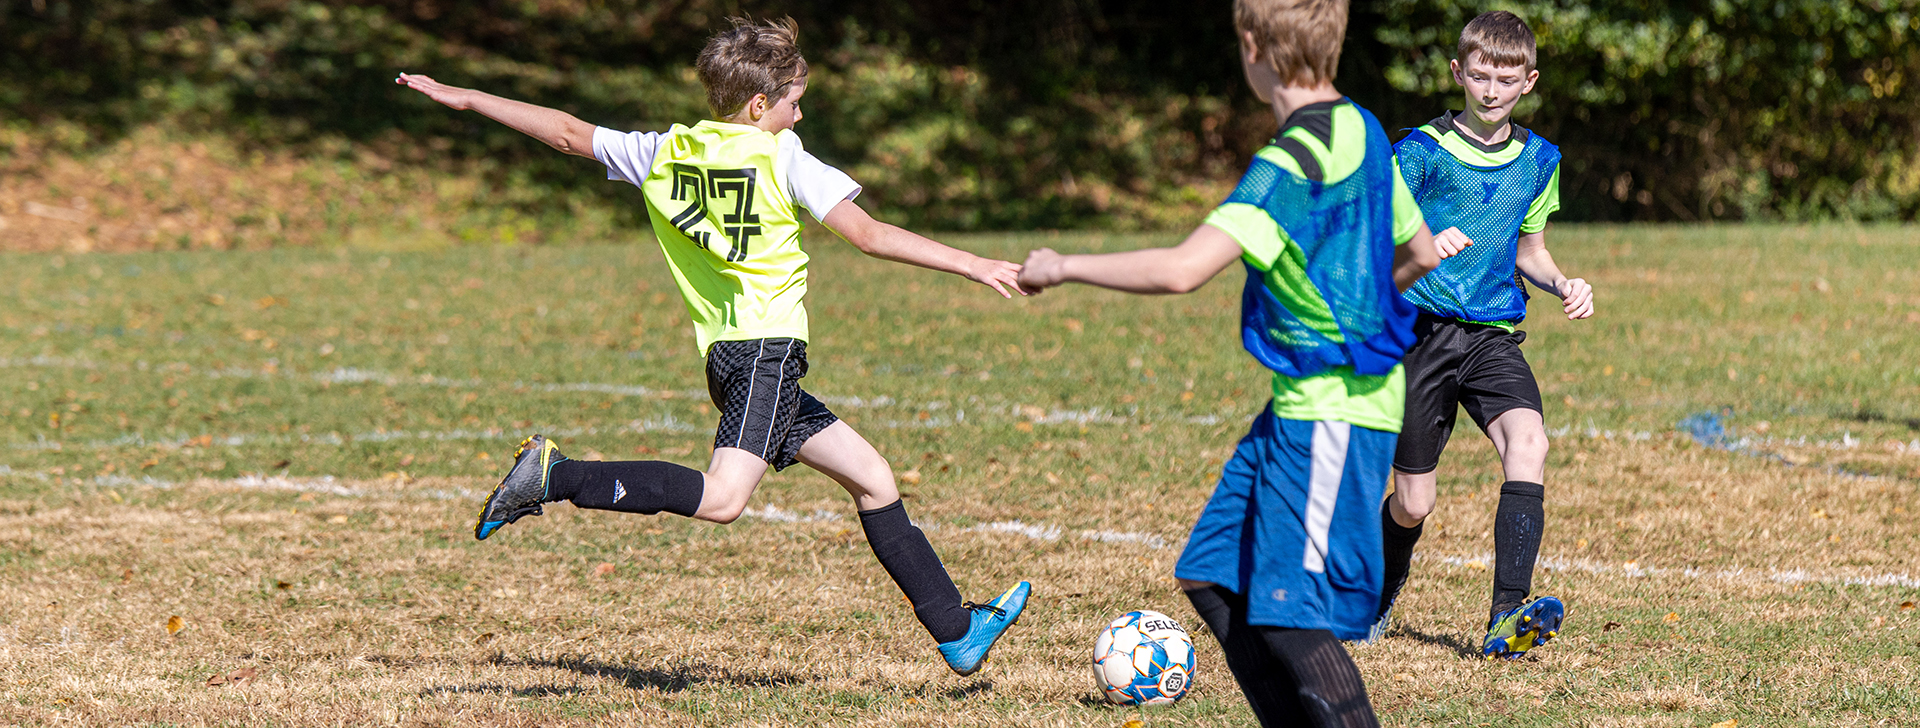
{"x":1284,"y":561}
{"x":1488,"y":185}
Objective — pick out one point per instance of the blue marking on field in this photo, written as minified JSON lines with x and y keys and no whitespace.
{"x":1709,"y":428}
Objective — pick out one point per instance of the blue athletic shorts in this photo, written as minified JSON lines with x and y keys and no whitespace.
{"x":1294,"y":525}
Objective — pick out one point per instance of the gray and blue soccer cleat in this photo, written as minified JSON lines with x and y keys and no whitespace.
{"x":965,"y":655}
{"x":524,"y":488}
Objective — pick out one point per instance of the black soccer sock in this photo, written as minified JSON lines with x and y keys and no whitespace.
{"x":1516,"y":542}
{"x":1268,"y":687}
{"x":904,"y":552}
{"x":1290,"y":677}
{"x":1396,"y":542}
{"x":634,"y":486}
{"x":1328,"y":689}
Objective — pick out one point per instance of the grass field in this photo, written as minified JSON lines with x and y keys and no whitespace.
{"x":284,"y":449}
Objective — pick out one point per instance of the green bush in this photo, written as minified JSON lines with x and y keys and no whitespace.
{"x":1041,"y":114}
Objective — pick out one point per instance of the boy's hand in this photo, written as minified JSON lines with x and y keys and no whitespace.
{"x":996,"y":274}
{"x":1044,"y":269}
{"x":1450,"y":242}
{"x":453,"y":97}
{"x":1577,"y":298}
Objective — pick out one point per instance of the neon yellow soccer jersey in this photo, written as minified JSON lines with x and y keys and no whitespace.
{"x":730,"y":231}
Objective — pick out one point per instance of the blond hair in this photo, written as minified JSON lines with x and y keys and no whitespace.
{"x":1301,"y":38}
{"x":754,"y":57}
{"x":1501,"y":38}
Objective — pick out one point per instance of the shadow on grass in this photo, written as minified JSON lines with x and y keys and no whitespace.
{"x":969,"y":690}
{"x":674,"y":679}
{"x":1459,"y":645}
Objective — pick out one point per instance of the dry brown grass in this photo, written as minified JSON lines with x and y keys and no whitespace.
{"x":378,"y":609}
{"x":160,"y":190}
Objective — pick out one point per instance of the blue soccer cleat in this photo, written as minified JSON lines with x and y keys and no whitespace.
{"x":524,"y":488}
{"x":1380,"y":626}
{"x":1523,"y":628}
{"x":965,"y":655}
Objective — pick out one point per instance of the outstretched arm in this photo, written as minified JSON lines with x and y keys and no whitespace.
{"x":891,"y":242}
{"x":1537,"y":265}
{"x":558,"y":129}
{"x":1179,"y":269}
{"x":1418,"y":257}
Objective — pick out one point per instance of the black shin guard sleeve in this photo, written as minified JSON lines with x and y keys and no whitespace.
{"x":1329,"y":692}
{"x":637,"y":486}
{"x":1396,"y":542}
{"x":1517,"y":526}
{"x":904,"y":552}
{"x":1268,"y":687}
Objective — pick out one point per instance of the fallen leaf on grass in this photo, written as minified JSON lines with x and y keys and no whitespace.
{"x":1610,"y":626}
{"x":1477,"y":565}
{"x":603,"y":569}
{"x":175,"y":624}
{"x":337,"y":519}
{"x":1132,"y":723}
{"x":1906,"y":606}
{"x":232,"y":678}
{"x":281,"y":465}
{"x":484,"y":638}
{"x":1023,"y":426}
{"x":127,"y":576}
{"x":1671,"y":617}
{"x":1728,"y":723}
{"x":911,"y":477}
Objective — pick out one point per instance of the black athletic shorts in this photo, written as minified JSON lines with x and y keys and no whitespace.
{"x":756,"y":385}
{"x":1456,"y":364}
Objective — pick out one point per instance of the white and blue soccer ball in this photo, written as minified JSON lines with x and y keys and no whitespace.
{"x":1143,"y":658}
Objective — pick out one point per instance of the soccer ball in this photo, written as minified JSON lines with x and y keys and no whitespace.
{"x":1143,"y":658}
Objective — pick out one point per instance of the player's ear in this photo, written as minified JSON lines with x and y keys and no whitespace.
{"x":1249,"y":48}
{"x":1453,"y":66}
{"x":1533,"y":76}
{"x":756,"y":107}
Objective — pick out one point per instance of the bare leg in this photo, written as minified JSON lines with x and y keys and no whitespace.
{"x":1413,"y":497}
{"x":730,"y":479}
{"x":1521,"y":438}
{"x":843,"y":455}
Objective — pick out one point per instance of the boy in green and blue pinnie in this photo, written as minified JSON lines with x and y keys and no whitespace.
{"x":1488,"y":186}
{"x":1284,"y":561}
{"x":725,"y":197}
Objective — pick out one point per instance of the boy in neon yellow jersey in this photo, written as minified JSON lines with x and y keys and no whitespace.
{"x":1489,"y":185}
{"x":724,"y":197}
{"x":1284,"y":561}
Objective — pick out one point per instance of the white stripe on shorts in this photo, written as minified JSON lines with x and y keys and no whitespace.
{"x":1329,"y":464}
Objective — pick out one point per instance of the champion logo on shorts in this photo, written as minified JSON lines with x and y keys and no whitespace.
{"x":1279,"y":595}
{"x":619,"y":491}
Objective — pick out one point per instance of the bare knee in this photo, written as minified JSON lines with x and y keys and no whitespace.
{"x":1415,"y":508}
{"x":723,"y":502}
{"x":1527,"y":447}
{"x":1413,"y":497}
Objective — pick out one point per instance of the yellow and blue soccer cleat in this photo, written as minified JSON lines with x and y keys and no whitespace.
{"x":1523,"y":628}
{"x":965,"y":655}
{"x":524,"y":488}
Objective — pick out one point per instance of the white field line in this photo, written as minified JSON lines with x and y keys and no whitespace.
{"x":1635,"y":569}
{"x":1046,"y":532}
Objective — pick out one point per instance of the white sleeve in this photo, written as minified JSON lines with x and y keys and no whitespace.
{"x":811,"y":182}
{"x":628,"y":156}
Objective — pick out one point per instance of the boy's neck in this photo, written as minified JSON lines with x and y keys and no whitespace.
{"x":1470,"y":124}
{"x":1288,"y":99}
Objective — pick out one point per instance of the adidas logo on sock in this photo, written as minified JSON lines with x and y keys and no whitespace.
{"x":619,"y":491}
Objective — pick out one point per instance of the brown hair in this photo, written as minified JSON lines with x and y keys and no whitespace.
{"x":754,"y":57}
{"x":1301,"y":38}
{"x":1501,"y":38}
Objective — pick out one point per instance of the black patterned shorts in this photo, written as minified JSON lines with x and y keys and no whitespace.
{"x":756,"y":385}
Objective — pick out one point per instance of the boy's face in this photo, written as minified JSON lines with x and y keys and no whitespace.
{"x":781,"y":115}
{"x":1492,"y":91}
